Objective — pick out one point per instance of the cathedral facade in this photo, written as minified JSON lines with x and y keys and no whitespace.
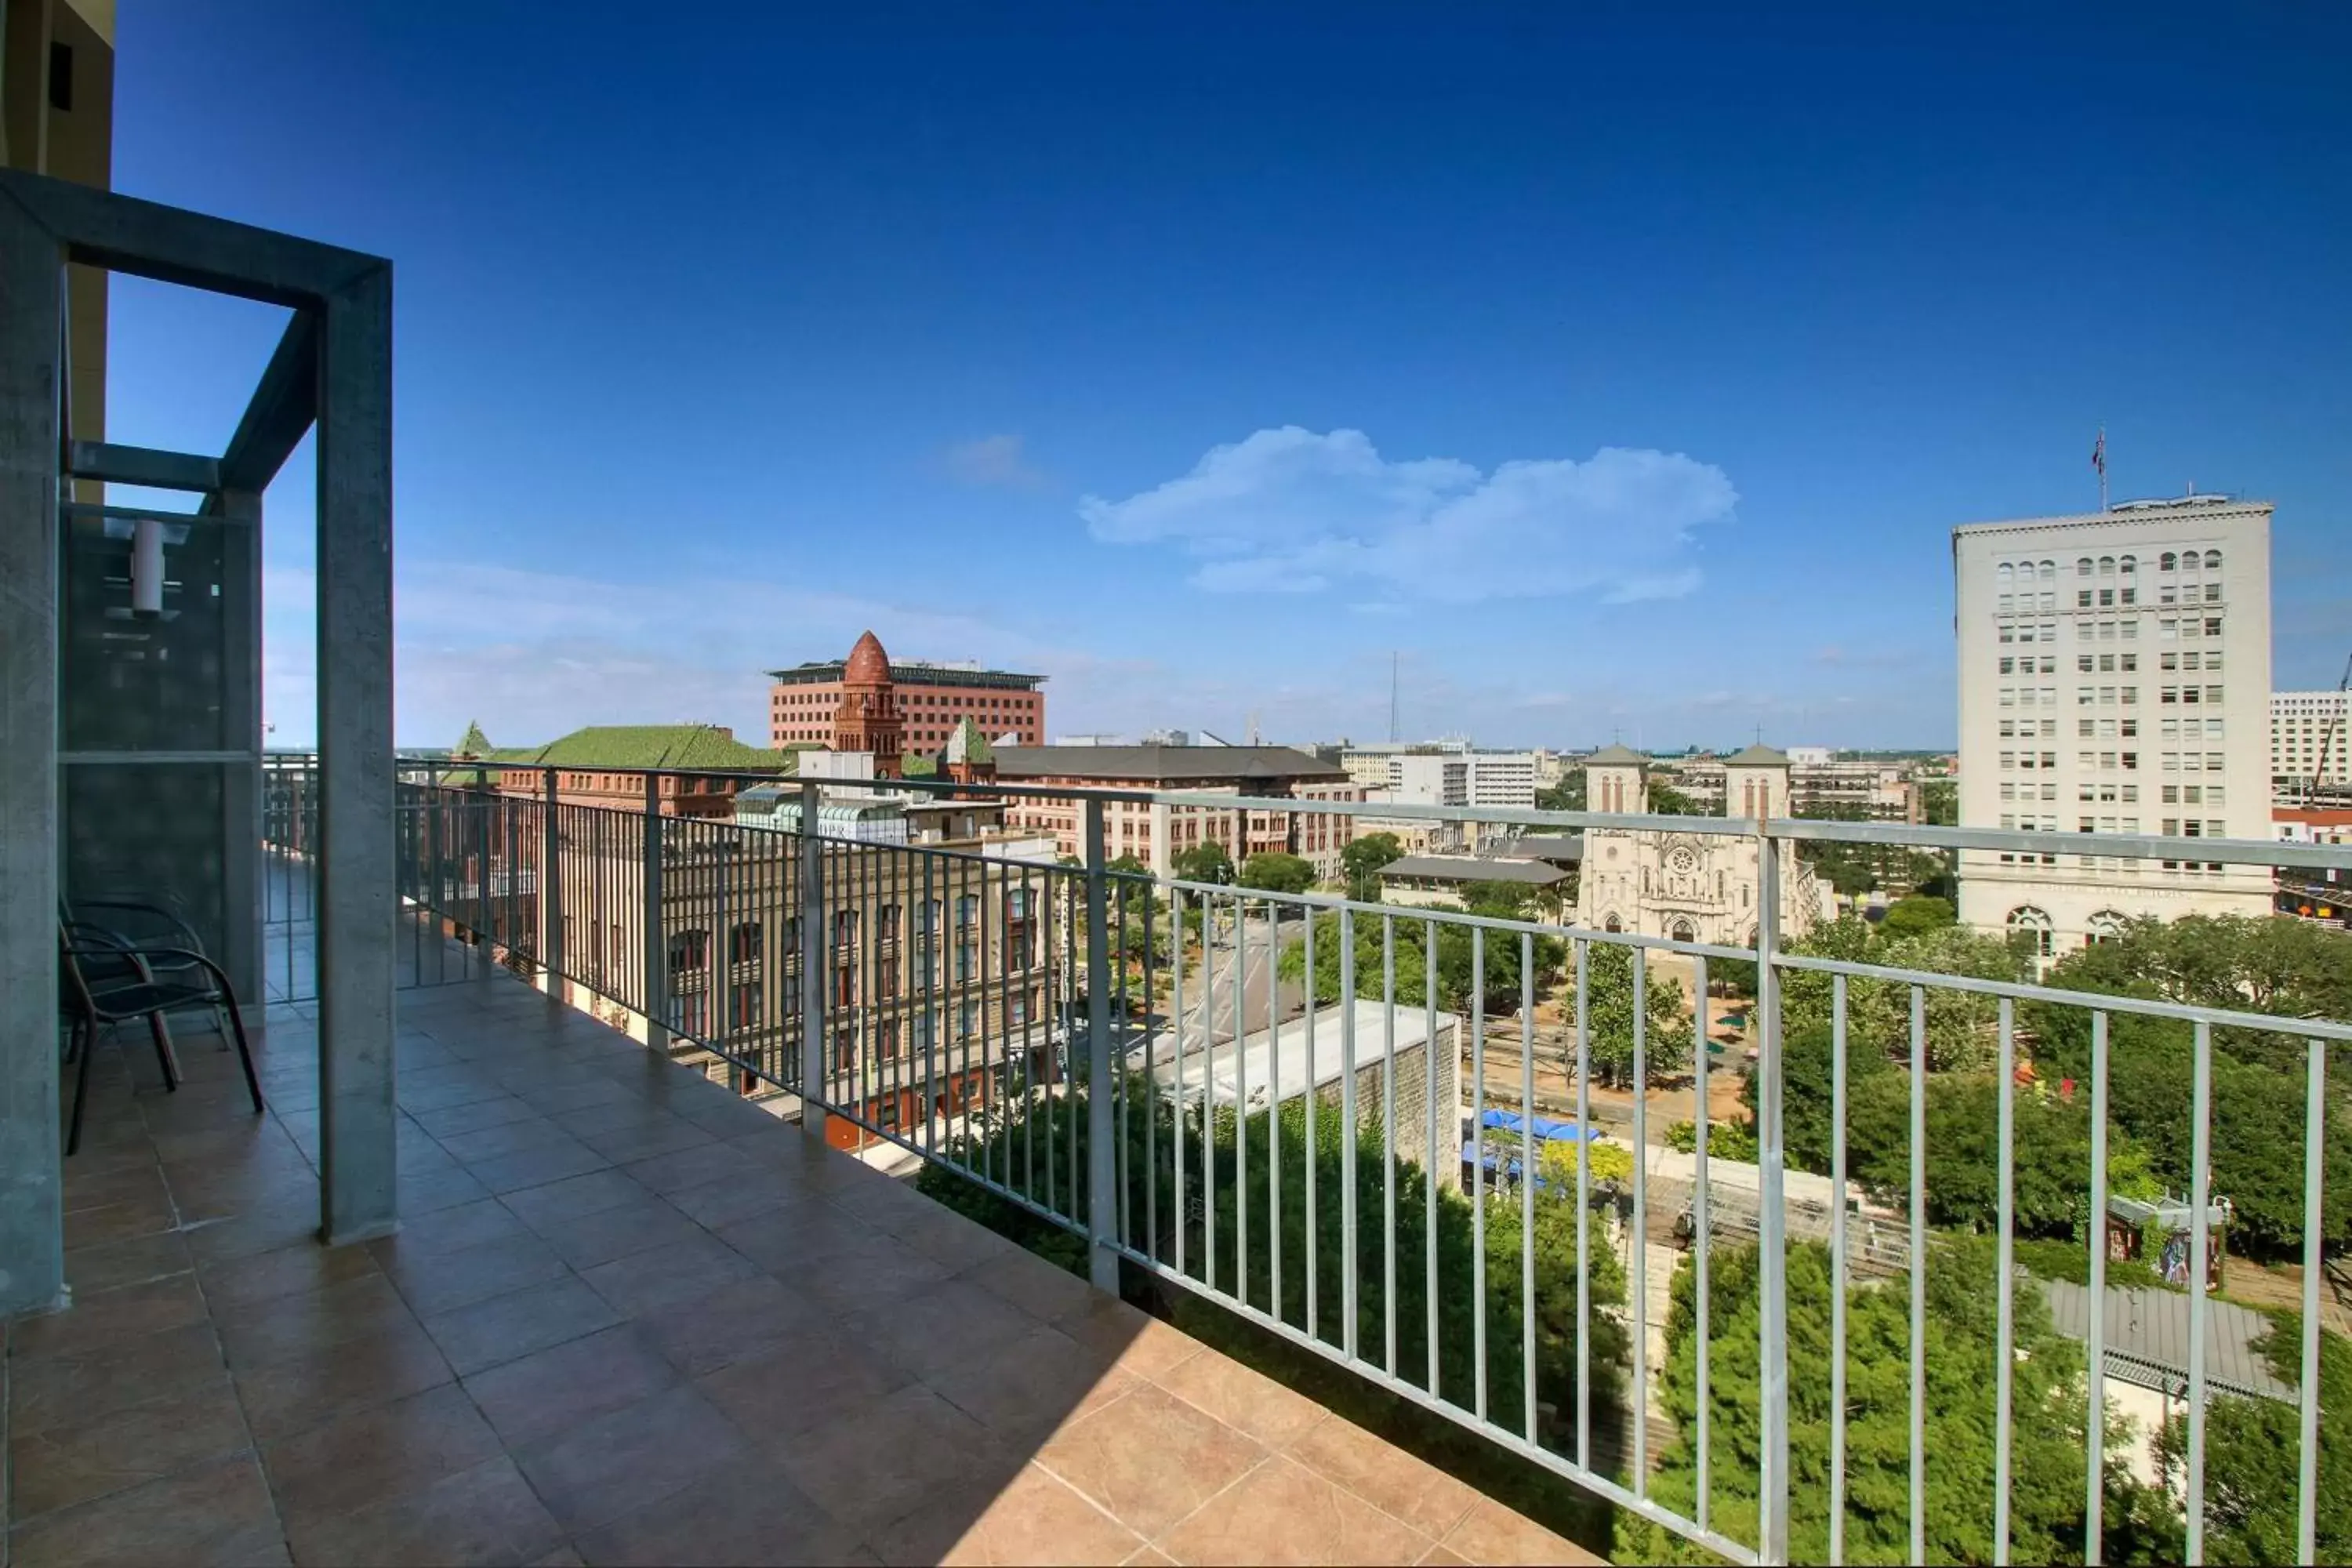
{"x":1690,"y":887}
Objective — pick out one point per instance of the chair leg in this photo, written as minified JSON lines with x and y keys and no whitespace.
{"x":86,"y":1033}
{"x":162,"y":1033}
{"x":245,"y":1055}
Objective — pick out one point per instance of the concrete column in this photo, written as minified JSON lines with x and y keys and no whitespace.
{"x":32,"y":1247}
{"x":359,"y":1168}
{"x":241,"y":896}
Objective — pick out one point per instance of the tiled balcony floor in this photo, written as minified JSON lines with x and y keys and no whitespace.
{"x":629,"y":1319}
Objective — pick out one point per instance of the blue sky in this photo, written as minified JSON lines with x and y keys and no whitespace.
{"x":1616,"y":368}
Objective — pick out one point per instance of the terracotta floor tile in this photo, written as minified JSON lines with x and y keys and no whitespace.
{"x":508,"y":1327}
{"x":256,"y":1332}
{"x":475,"y":1115}
{"x":215,"y":1513}
{"x":1149,"y":1458}
{"x":1038,"y":1288}
{"x":1283,"y":1512}
{"x":1029,"y":1517}
{"x":1150,"y":1557}
{"x":449,"y":1230}
{"x":440,"y":1190}
{"x":791,"y":1242}
{"x":1245,"y":1400}
{"x":106,"y":1317}
{"x":51,"y":1391}
{"x":1439,"y":1557}
{"x":1490,"y":1532}
{"x":735,"y":1322}
{"x":641,"y":1140}
{"x":942,"y":1327}
{"x":1136,"y":1342}
{"x":746,"y":1514}
{"x":443,"y":1281}
{"x":391,"y":1451}
{"x":641,"y":1225}
{"x":118,"y":1184}
{"x":323,"y":1382}
{"x":556,"y":1202}
{"x":878,"y":1462}
{"x":486,"y":1515}
{"x":63,"y":1464}
{"x":512,"y":1137}
{"x":282,"y":1222}
{"x":288,"y":1271}
{"x":573,"y":1093}
{"x":721,"y":1203}
{"x":804,"y":1381}
{"x":119,"y":1222}
{"x":861,"y":1274}
{"x":951,"y":1241}
{"x":669,"y":1275}
{"x":536,"y":1167}
{"x":557,"y":1388}
{"x":1030,"y":1387}
{"x":709,"y":1161}
{"x":626,"y":1460}
{"x":1415,"y":1490}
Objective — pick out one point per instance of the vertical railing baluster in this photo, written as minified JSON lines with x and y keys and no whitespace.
{"x":1701,"y":1244}
{"x":1102,"y":1214}
{"x":656,"y":948}
{"x":1183,"y":1105}
{"x":1478,"y":1170}
{"x":1772,"y":1211}
{"x":1150,"y":1090}
{"x":1429,"y":1149}
{"x":1312,"y":1106}
{"x":1838,"y":1263}
{"x":2005,"y":1281}
{"x":2315,"y":1134}
{"x":1388,"y":1146}
{"x":1273,"y":1108}
{"x":1241,"y":1098}
{"x":1918,"y":1347}
{"x":2201,"y":1172}
{"x":813,"y":1095}
{"x":2094,"y":1353}
{"x":1350,"y":1136}
{"x":1583,"y":1204}
{"x":1528,"y":1186}
{"x":1639,"y":957}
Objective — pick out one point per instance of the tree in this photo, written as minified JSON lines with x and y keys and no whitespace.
{"x":1959,"y":1024}
{"x":1204,"y":862}
{"x":1127,"y":865}
{"x":1362,"y":859}
{"x":1917,"y":915}
{"x":1276,"y":872}
{"x":2047,"y":1464}
{"x":1465,"y":956}
{"x":1566,"y":795}
{"x":1607,"y":1164}
{"x":1940,"y":802}
{"x":1665,"y":800}
{"x":2253,"y":1452}
{"x":1609,"y":1009}
{"x":2278,"y":966}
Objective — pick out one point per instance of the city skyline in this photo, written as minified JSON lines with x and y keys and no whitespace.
{"x":1643,"y":410}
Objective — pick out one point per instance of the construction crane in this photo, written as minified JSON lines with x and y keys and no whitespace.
{"x":2312,"y":780}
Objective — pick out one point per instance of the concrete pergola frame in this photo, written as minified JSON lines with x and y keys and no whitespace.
{"x":332,"y":368}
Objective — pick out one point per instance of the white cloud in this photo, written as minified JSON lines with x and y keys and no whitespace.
{"x":994,"y":461}
{"x":1291,"y":511}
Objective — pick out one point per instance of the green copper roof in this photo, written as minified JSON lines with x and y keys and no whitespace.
{"x":473,"y":743}
{"x":968,"y":743}
{"x":652,"y":746}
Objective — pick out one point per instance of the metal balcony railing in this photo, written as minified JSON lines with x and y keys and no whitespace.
{"x":1302,"y":1107}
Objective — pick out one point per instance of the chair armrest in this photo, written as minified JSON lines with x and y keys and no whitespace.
{"x":183,"y":956}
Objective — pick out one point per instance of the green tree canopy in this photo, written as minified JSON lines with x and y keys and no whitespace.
{"x":1361,"y":860}
{"x":1276,"y":872}
{"x":2047,"y":1467}
{"x":1608,"y":1004}
{"x":1917,"y":915}
{"x":1204,"y":862}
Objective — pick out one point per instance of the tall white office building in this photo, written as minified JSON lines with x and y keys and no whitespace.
{"x":2115,"y":678}
{"x":2311,"y":738}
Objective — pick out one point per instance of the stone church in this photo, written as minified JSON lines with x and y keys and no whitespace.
{"x":1689,"y":886}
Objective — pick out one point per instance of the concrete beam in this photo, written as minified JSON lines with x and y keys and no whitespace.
{"x":142,"y":465}
{"x":148,"y":239}
{"x":284,"y":404}
{"x":32,"y":1236}
{"x":358,"y":1165}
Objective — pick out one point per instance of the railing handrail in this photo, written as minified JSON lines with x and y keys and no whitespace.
{"x":2273,"y":853}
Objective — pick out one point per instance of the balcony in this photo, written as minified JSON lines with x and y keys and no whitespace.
{"x":631,"y":1316}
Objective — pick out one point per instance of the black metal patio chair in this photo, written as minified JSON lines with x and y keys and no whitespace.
{"x":107,"y":982}
{"x":137,"y":922}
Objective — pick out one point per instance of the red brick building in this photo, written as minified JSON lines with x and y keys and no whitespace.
{"x":806,"y":704}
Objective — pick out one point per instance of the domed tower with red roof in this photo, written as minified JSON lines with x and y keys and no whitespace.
{"x":868,"y":719}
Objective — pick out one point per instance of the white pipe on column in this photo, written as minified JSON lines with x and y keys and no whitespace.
{"x":147,"y":568}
